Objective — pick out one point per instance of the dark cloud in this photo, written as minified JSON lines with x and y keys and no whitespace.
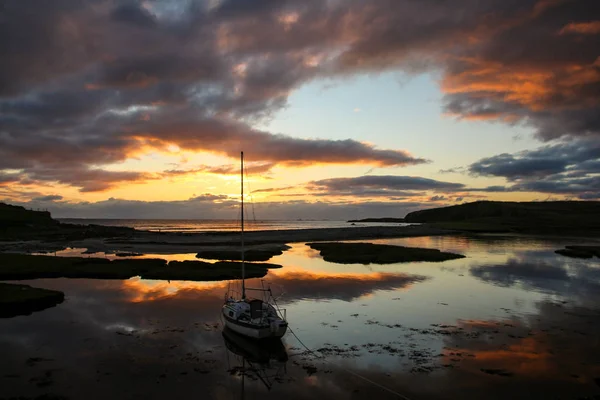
{"x":51,"y":197}
{"x":6,"y":178}
{"x":381,"y":183}
{"x":508,"y":166}
{"x":491,"y":189}
{"x":438,"y":198}
{"x":574,"y":156}
{"x":91,"y":83}
{"x":272,"y":190}
{"x":133,"y":13}
{"x":39,"y":43}
{"x":568,"y":168}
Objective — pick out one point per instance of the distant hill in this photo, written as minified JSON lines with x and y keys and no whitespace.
{"x":549,"y":217}
{"x":17,"y":216}
{"x":18,"y":223}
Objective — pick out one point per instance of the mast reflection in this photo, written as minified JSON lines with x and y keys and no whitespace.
{"x":263,"y":360}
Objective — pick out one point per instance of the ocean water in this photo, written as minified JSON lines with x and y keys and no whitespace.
{"x":209,"y":225}
{"x":511,"y":320}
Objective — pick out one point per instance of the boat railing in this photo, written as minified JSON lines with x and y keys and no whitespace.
{"x":233,"y":293}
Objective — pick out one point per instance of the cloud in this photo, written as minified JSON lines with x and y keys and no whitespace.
{"x":90,"y":84}
{"x":569,"y":168}
{"x":135,"y":78}
{"x":491,"y":189}
{"x":438,"y":198}
{"x":209,"y":206}
{"x":582,"y":28}
{"x":382,"y":183}
{"x":8,"y":178}
{"x":229,"y":169}
{"x":514,"y":168}
{"x":52,"y":197}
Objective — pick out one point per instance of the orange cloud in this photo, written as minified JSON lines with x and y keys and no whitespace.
{"x":582,"y":28}
{"x":145,"y":290}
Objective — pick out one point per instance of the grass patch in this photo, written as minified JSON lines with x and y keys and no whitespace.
{"x":369,"y":253}
{"x":24,"y":266}
{"x":23,"y":299}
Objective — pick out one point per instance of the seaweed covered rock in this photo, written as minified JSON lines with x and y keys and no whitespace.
{"x":23,"y":299}
{"x":369,"y":253}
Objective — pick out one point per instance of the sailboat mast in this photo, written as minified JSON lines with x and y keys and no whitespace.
{"x":242,"y":208}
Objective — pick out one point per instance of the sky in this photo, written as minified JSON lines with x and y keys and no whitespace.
{"x":343,"y":108}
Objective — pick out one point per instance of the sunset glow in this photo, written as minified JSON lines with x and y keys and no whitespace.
{"x":344,"y":109}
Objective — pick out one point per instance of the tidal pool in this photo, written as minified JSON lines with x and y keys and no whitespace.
{"x":513,"y":319}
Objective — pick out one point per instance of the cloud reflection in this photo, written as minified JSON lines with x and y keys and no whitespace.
{"x":570,"y":279}
{"x":289,"y":286}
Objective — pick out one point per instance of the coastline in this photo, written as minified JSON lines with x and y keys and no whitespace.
{"x":269,"y":240}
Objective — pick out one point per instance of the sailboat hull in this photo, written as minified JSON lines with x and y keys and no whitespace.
{"x":275,"y":330}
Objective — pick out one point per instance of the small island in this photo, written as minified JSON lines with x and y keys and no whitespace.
{"x":265,"y":253}
{"x":369,"y":253}
{"x":384,"y":220}
{"x":580,"y":251}
{"x":23,"y":299}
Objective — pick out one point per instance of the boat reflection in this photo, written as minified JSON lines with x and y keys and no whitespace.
{"x":263,"y":361}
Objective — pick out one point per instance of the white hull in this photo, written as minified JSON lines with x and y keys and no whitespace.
{"x":238,"y":318}
{"x":256,"y":332}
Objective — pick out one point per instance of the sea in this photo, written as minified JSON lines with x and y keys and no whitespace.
{"x":512,"y":320}
{"x":211,"y":225}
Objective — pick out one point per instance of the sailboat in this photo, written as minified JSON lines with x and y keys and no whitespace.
{"x":252,"y":317}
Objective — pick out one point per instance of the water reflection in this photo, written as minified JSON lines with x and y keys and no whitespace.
{"x":574,"y":280}
{"x":289,"y":286}
{"x":513,"y":319}
{"x":263,"y":361}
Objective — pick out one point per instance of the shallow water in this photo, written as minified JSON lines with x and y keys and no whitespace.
{"x":220,"y":225}
{"x":512,"y":319}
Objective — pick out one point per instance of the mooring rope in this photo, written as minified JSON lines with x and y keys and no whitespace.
{"x":322,"y":357}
